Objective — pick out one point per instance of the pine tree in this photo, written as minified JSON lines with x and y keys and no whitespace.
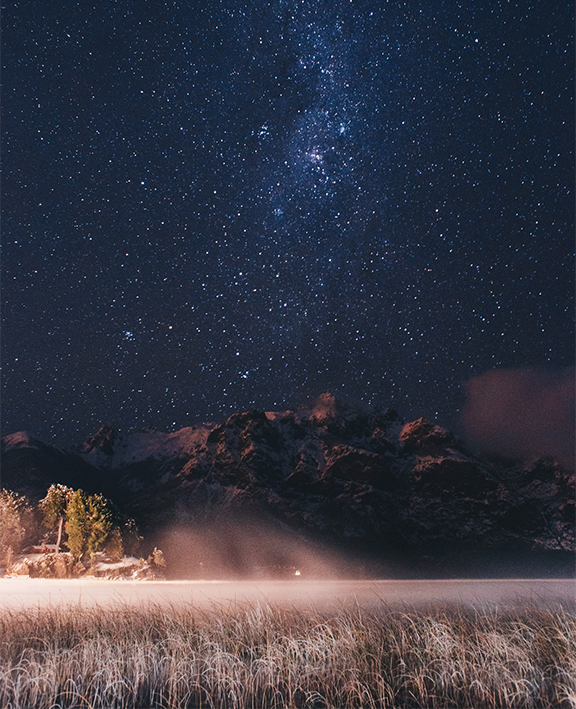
{"x":98,"y":523}
{"x":76,"y":523}
{"x":54,"y":508}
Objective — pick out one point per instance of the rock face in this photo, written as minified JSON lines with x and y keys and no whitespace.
{"x":402,"y":498}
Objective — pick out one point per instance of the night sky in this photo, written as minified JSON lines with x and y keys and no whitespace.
{"x":216,"y":206}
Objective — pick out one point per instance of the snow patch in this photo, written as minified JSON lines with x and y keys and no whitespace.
{"x":126,"y":562}
{"x":144,"y":444}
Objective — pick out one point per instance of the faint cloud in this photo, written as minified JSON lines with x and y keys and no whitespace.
{"x":522,"y":413}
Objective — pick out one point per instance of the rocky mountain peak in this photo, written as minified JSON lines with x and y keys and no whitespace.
{"x":326,"y":408}
{"x":422,"y":433}
{"x":21,"y":439}
{"x":102,"y":441}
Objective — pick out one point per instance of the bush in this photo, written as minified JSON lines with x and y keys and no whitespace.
{"x":54,"y":566}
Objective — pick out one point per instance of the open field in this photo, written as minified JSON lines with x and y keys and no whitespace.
{"x":321,"y":594}
{"x":257,"y":655}
{"x":443,"y":646}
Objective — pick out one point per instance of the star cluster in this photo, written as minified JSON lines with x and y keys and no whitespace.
{"x":223,"y":205}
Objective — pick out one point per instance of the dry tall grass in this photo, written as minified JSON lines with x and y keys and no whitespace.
{"x":260,"y":656}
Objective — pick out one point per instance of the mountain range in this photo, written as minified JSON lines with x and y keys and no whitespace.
{"x":322,"y":490}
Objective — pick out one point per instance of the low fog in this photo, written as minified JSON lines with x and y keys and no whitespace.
{"x":295,"y":593}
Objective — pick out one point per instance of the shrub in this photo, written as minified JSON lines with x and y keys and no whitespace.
{"x":54,"y":566}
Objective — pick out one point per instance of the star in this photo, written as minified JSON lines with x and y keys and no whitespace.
{"x":273,"y":201}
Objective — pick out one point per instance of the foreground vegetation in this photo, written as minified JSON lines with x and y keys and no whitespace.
{"x":90,"y":527}
{"x":85,"y":524}
{"x":262,"y":656}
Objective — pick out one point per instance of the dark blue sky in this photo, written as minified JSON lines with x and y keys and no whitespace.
{"x":215,"y":206}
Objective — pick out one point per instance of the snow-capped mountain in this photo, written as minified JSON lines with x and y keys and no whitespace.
{"x":109,"y":448}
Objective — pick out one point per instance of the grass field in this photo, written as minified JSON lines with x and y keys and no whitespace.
{"x":257,"y":655}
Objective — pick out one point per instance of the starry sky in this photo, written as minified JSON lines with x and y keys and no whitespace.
{"x":216,"y":206}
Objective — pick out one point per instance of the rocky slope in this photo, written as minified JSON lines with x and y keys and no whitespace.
{"x":313,"y":486}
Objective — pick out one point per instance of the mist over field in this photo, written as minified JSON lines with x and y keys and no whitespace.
{"x":297,"y":592}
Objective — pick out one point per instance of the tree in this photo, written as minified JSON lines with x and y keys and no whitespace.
{"x":131,"y":538}
{"x":15,"y":517}
{"x":54,"y":508}
{"x":76,"y":528}
{"x":98,"y":522}
{"x":114,"y":548}
{"x":89,"y":522}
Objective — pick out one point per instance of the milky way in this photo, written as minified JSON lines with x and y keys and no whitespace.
{"x":218,"y":206}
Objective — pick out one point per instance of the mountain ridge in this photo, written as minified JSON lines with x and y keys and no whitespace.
{"x":364,"y":484}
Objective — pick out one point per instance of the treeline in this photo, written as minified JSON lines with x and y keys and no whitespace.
{"x":83,"y":525}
